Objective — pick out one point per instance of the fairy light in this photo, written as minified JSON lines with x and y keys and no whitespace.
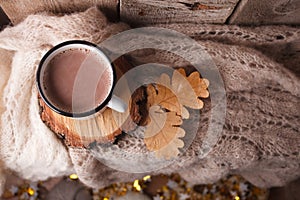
{"x":73,"y":176}
{"x":30,"y":191}
{"x":175,"y":187}
{"x":146,"y":178}
{"x":136,"y":185}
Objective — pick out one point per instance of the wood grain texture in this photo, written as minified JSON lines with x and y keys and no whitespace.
{"x":141,"y":12}
{"x":18,"y":10}
{"x":258,"y":12}
{"x":81,"y":132}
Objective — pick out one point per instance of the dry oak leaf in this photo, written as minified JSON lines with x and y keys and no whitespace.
{"x":166,"y":101}
{"x":187,"y":89}
{"x":163,"y":132}
{"x":163,"y":96}
{"x":198,"y":84}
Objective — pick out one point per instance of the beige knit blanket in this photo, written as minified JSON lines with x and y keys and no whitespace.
{"x":260,"y":140}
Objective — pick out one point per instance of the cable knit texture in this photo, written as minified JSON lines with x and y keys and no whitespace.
{"x":260,"y":140}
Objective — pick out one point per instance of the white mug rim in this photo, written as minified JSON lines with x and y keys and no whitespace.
{"x":66,"y":46}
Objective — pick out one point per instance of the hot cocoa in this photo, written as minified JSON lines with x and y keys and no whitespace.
{"x":77,"y":80}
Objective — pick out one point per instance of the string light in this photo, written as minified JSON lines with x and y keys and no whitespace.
{"x":136,"y":185}
{"x":146,"y":178}
{"x":30,"y":191}
{"x":176,"y":187}
{"x":73,"y":176}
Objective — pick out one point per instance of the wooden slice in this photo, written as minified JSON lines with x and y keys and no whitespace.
{"x":103,"y":127}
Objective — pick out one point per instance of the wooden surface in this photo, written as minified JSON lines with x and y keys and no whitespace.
{"x":18,"y":10}
{"x":146,"y":12}
{"x":133,"y":11}
{"x":141,"y":12}
{"x":258,"y":12}
{"x":80,"y":133}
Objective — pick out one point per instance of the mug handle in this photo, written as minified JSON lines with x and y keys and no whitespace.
{"x":117,"y":104}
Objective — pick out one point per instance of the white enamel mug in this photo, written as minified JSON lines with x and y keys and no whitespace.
{"x":76,"y":79}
